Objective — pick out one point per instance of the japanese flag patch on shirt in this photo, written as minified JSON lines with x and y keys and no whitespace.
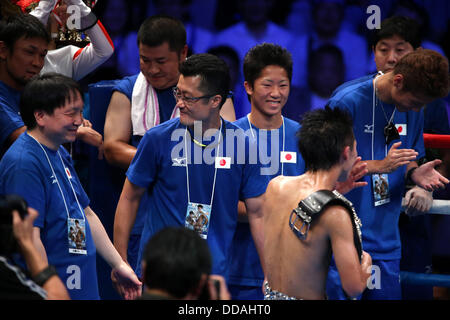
{"x":401,"y":128}
{"x":223,"y":162}
{"x":288,"y":157}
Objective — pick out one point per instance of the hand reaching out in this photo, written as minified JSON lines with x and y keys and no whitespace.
{"x":126,"y":282}
{"x":428,"y":178}
{"x":358,"y":171}
{"x":396,"y":158}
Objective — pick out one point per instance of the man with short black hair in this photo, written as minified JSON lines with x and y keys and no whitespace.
{"x":144,"y":100}
{"x":177,"y":264}
{"x":168,"y":169}
{"x":383,"y":111}
{"x":40,"y":169}
{"x":23,"y":47}
{"x":301,"y":236}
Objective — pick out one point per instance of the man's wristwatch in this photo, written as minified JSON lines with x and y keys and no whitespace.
{"x":43,"y":276}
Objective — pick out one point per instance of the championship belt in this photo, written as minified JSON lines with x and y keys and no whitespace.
{"x":62,"y":35}
{"x":310,"y":209}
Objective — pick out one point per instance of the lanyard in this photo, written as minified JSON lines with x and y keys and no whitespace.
{"x":253,"y":136}
{"x":374,"y":103}
{"x":57,"y":181}
{"x":187,"y":165}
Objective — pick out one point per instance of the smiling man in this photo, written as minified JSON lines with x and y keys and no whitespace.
{"x":268,"y":73}
{"x":142,"y":101}
{"x":23,"y":46}
{"x":40,"y":169}
{"x":176,"y":190}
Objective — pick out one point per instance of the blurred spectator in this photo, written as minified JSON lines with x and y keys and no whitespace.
{"x":417,"y":12}
{"x":198,"y":39}
{"x":328,"y":16}
{"x":117,"y":16}
{"x":177,"y":264}
{"x":299,"y":19}
{"x":256,"y":28}
{"x":326,"y":71}
{"x":230,"y":56}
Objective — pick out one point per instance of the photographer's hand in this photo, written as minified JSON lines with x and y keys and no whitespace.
{"x":23,"y":232}
{"x":223,"y":293}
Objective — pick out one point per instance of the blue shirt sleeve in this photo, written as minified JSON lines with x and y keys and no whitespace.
{"x":254,"y":183}
{"x":10,"y":121}
{"x":142,"y":170}
{"x":126,"y":86}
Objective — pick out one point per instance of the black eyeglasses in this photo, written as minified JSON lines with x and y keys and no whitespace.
{"x":390,"y":133}
{"x":188,"y":100}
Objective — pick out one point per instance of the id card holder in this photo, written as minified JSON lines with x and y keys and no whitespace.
{"x":380,"y":187}
{"x":198,"y":217}
{"x":76,"y":234}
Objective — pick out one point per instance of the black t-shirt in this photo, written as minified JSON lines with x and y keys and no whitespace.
{"x":15,"y":285}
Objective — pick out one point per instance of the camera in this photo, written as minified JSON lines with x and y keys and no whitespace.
{"x":206,"y":294}
{"x":9,"y":203}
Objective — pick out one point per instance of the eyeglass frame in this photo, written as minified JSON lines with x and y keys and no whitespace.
{"x":189,"y":100}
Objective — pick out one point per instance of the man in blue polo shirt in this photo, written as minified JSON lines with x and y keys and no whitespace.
{"x":142,"y":101}
{"x":37,"y":167}
{"x":268,"y":73}
{"x":383,"y":113}
{"x":23,"y":46}
{"x":181,"y":166}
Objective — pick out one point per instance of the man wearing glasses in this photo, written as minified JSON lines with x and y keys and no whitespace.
{"x":142,"y":101}
{"x":389,"y":129}
{"x":192,"y":162}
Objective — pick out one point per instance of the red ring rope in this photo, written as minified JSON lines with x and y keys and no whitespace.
{"x":438,"y":141}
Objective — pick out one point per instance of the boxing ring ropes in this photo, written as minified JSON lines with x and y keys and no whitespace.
{"x":436,"y":141}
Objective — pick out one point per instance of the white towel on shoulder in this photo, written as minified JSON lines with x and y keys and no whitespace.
{"x":145,"y":107}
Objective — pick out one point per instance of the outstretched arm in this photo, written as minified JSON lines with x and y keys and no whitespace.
{"x":395,"y":158}
{"x":426,"y":176}
{"x":98,"y":51}
{"x":123,"y":276}
{"x":126,"y":215}
{"x":43,"y":10}
{"x":359,"y":170}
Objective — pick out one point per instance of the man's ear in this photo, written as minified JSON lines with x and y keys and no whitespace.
{"x":3,"y":50}
{"x":39,"y":116}
{"x":184,"y":53}
{"x":248,"y":88}
{"x":216,"y":99}
{"x":398,"y":81}
{"x":346,"y":153}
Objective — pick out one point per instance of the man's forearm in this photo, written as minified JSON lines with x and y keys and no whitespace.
{"x":119,"y":154}
{"x":101,"y":239}
{"x":375,"y":166}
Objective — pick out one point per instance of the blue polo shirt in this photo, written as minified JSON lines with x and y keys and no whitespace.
{"x":159,"y":166}
{"x":245,"y":267}
{"x":25,"y":170}
{"x":379,"y":223}
{"x":10,"y":119}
